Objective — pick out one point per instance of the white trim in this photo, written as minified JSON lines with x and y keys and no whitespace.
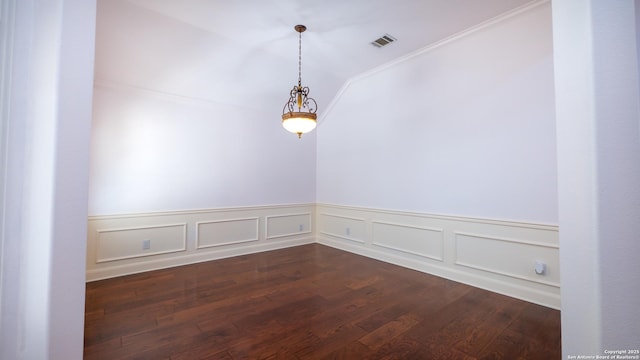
{"x":343,"y":216}
{"x":348,"y":238}
{"x":146,"y":254}
{"x":511,"y":223}
{"x":345,"y":237}
{"x":190,"y":258}
{"x":441,"y":258}
{"x":199,"y":247}
{"x":198,"y":223}
{"x":516,"y":241}
{"x":270,"y":237}
{"x":140,"y":227}
{"x":436,"y":230}
{"x":505,"y":273}
{"x":439,"y":230}
{"x":499,"y":272}
{"x":197,"y":211}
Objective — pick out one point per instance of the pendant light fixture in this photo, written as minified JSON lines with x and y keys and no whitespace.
{"x":299,"y":113}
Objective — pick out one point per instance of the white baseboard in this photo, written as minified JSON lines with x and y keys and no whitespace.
{"x":187,"y":259}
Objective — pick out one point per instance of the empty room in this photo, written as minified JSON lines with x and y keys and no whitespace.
{"x":320,"y":180}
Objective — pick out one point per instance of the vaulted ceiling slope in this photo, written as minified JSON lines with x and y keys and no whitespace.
{"x":245,"y":52}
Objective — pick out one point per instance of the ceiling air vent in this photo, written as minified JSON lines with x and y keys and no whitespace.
{"x":383,"y":41}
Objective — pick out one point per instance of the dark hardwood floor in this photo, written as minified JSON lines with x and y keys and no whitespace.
{"x":309,"y":302}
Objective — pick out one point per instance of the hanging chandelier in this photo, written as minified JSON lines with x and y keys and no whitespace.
{"x":299,"y":113}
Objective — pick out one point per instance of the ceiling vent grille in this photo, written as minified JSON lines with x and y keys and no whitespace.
{"x":386,"y":39}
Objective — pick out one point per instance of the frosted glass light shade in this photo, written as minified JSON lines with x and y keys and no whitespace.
{"x":299,"y":122}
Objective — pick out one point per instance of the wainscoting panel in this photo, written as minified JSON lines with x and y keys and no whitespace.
{"x":131,"y":243}
{"x":508,"y":257}
{"x":409,"y":239}
{"x":226,"y":232}
{"x":278,"y":226}
{"x":343,"y":227}
{"x":496,"y":255}
{"x":120,"y":244}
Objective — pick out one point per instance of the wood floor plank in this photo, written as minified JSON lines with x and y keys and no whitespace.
{"x":490,"y":323}
{"x":380,"y":336}
{"x":340,"y":337}
{"x":309,"y":302}
{"x":353,"y":350}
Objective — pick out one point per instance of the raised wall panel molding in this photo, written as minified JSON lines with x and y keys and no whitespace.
{"x":517,"y":241}
{"x":343,"y":227}
{"x":422,"y":241}
{"x":278,"y":226}
{"x":507,"y":257}
{"x":126,"y":243}
{"x":226,"y":232}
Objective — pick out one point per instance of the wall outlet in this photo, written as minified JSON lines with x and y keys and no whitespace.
{"x":146,"y":244}
{"x":540,"y":268}
{"x":300,"y":227}
{"x":347,"y":231}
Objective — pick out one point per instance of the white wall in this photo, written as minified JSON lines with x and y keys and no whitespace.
{"x":465,"y":127}
{"x":166,"y":136}
{"x":156,"y":152}
{"x":597,"y":96}
{"x":47,"y":112}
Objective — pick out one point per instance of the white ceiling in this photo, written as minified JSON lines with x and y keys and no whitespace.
{"x":245,"y":52}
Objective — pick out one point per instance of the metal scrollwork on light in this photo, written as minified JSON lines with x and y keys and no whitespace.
{"x":307,"y":102}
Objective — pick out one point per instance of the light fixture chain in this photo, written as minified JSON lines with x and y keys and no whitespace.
{"x":300,"y":59}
